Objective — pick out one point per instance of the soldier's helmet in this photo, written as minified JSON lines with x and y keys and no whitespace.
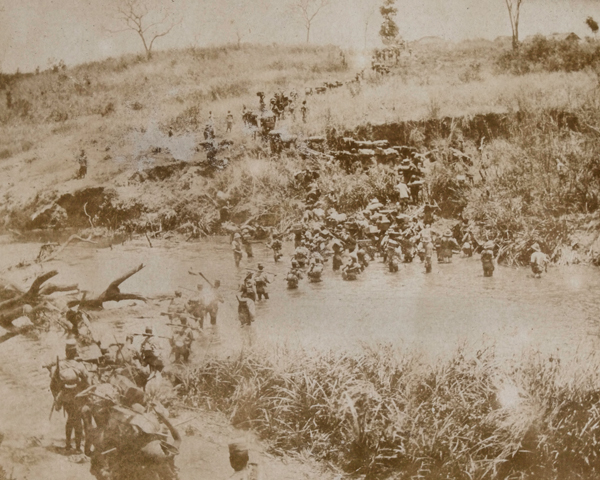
{"x":237,"y":235}
{"x":238,"y":455}
{"x":260,"y":266}
{"x":489,"y":245}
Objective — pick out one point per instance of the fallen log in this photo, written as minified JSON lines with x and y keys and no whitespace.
{"x":52,"y":288}
{"x":111,"y":294}
{"x":30,"y":296}
{"x":53,"y":255}
{"x":7,"y":317}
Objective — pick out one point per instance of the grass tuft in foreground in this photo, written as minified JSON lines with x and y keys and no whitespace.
{"x":380,"y":413}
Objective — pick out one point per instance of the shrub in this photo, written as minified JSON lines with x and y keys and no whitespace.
{"x":543,"y":54}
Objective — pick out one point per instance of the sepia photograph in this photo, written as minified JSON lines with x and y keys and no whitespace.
{"x":299,"y":239}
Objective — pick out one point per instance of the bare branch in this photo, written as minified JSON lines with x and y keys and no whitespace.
{"x":135,"y":15}
{"x":307,"y":10}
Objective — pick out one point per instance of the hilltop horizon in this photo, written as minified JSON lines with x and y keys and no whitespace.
{"x":249,"y":45}
{"x":80,"y":31}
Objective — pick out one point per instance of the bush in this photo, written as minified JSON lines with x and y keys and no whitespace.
{"x":229,"y":89}
{"x":543,"y":54}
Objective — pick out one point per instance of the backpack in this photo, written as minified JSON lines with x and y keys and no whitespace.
{"x":69,"y":377}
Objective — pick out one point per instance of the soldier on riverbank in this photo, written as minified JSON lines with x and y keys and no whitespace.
{"x":487,"y":259}
{"x":428,"y":246}
{"x":538,"y":261}
{"x":244,"y":467}
{"x":69,"y":378}
{"x":150,"y":351}
{"x":229,"y":120}
{"x":83,"y":164}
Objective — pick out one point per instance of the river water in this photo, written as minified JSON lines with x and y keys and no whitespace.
{"x":432,"y":314}
{"x":429,"y":315}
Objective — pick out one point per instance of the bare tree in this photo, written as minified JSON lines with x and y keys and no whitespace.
{"x":514,"y":11}
{"x":137,"y":16}
{"x":307,"y":10}
{"x":240,"y":34}
{"x":389,"y":28}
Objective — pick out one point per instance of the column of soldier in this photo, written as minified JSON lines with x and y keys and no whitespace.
{"x":90,"y":391}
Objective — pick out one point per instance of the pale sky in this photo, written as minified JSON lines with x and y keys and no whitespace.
{"x":37,"y":32}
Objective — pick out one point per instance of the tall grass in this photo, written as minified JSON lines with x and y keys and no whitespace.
{"x":379,"y":412}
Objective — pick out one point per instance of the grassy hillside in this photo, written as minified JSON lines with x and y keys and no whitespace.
{"x":121,"y":110}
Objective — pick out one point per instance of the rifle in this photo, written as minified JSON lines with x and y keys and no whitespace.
{"x":150,"y":335}
{"x":57,"y":372}
{"x":184,"y":326}
{"x":120,"y":348}
{"x":188,"y":289}
{"x":202,"y":275}
{"x":255,"y":271}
